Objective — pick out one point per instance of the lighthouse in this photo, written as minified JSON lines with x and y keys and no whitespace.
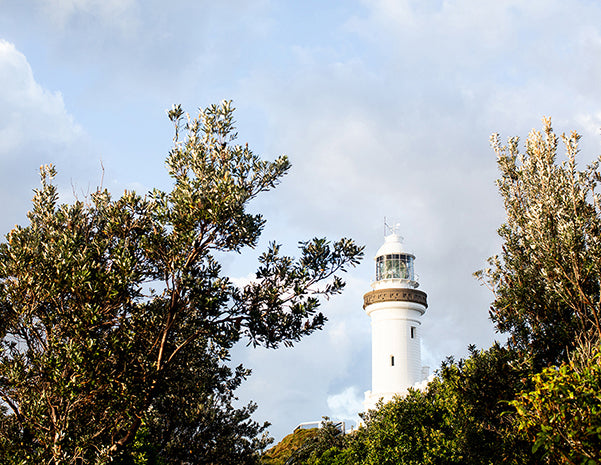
{"x":395,"y":307}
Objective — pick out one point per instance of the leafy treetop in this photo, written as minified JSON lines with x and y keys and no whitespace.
{"x":104,"y":303}
{"x":547,"y":279}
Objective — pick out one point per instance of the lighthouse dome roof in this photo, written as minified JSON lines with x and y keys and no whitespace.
{"x":392,"y":245}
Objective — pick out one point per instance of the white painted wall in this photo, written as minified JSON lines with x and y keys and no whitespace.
{"x":391,"y":324}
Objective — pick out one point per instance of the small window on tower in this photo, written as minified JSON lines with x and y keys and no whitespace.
{"x":392,"y":360}
{"x":413,"y":332}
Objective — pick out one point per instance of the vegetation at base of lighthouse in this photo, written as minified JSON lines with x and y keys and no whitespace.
{"x":116,"y":319}
{"x":536,"y":400}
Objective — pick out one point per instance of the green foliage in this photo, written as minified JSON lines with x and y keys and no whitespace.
{"x":281,"y":452}
{"x":547,"y":286}
{"x":464,"y":416}
{"x":323,"y":446}
{"x":404,"y":431}
{"x":548,"y":278}
{"x":325,"y":441}
{"x":561,"y":415}
{"x":475,"y":393}
{"x":461,"y":417}
{"x":195,"y":422}
{"x":115,"y":312}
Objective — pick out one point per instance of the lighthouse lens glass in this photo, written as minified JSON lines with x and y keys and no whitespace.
{"x":394,"y":266}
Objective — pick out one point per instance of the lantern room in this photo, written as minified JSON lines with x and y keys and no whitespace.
{"x":394,"y":263}
{"x":395,"y":266}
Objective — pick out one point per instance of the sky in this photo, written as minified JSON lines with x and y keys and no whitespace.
{"x":384,"y":107}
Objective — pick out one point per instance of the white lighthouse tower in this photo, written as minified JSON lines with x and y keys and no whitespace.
{"x":395,"y":306}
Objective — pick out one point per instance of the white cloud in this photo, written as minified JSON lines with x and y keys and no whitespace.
{"x":243,"y":281}
{"x":346,"y":405}
{"x":422,"y":385}
{"x":119,"y":13}
{"x":35,"y":129}
{"x":590,"y":125}
{"x":32,"y":116}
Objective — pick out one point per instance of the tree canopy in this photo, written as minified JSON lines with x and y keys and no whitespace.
{"x":115,"y":311}
{"x":547,"y":279}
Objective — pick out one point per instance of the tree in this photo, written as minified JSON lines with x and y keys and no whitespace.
{"x":328,"y":436}
{"x":195,"y":421}
{"x":547,"y":285}
{"x":475,"y":393}
{"x":326,"y":445}
{"x":462,"y":416}
{"x":404,"y":431}
{"x":561,"y":415}
{"x":547,"y":279}
{"x":282,"y":451}
{"x":106,"y":303}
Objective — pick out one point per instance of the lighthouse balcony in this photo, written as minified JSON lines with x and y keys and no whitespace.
{"x":395,"y":295}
